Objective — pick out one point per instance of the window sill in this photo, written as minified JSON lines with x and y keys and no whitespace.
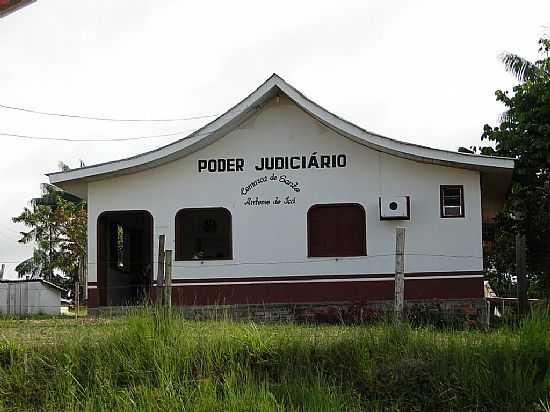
{"x":337,"y":257}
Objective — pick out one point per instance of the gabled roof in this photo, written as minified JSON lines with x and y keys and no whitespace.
{"x":228,"y":121}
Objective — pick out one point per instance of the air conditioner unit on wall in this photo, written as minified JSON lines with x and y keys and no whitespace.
{"x":395,"y":207}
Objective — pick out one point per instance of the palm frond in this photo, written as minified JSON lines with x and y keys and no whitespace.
{"x":27,"y":237}
{"x":33,"y":266}
{"x":521,"y":68}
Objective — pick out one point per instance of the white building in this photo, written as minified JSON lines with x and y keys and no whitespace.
{"x":29,"y":297}
{"x":280,"y":201}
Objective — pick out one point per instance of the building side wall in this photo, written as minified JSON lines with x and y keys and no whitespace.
{"x":28,"y":298}
{"x":271,"y":241}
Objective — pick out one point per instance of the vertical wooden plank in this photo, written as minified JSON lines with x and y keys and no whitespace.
{"x":83,"y":276}
{"x":168,"y":280}
{"x":28,"y":303}
{"x":9,"y":300}
{"x":76,"y":299}
{"x":20,"y":289}
{"x":399,"y":272}
{"x":521,"y":273}
{"x":160,"y":272}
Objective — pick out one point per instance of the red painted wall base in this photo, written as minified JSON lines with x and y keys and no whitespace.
{"x":317,"y":291}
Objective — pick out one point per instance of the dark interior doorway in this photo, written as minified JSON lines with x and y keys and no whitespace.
{"x":125,"y":257}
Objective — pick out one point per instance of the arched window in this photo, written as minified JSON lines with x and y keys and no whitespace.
{"x":336,"y":230}
{"x":203,"y":234}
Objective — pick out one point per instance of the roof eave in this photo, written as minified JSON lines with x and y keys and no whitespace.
{"x":250,"y":105}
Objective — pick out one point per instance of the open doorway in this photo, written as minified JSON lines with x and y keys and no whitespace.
{"x":125,"y":257}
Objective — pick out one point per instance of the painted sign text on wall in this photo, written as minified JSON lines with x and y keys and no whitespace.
{"x":289,"y":182}
{"x":265,"y":163}
{"x":283,"y":179}
{"x":312,"y":161}
{"x":276,"y":201}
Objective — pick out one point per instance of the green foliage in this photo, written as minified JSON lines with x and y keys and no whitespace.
{"x":155,"y":360}
{"x":524,"y":133}
{"x":57,"y":222}
{"x":9,"y":351}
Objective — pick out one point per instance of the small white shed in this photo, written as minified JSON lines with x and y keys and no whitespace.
{"x":29,"y":297}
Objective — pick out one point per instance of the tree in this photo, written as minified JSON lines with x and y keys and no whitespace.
{"x":524,"y":133}
{"x":57,"y":222}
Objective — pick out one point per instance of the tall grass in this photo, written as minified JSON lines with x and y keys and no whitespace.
{"x":155,"y":360}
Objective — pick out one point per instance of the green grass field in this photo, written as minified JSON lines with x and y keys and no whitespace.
{"x":157,"y":361}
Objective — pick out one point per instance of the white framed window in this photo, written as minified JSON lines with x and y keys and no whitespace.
{"x":451,"y":200}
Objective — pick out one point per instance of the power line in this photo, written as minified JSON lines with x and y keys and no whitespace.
{"x":115,"y":139}
{"x":321,"y":260}
{"x":347,"y":259}
{"x":105,"y":119}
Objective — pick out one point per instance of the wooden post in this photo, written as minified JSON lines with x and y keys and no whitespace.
{"x":399,"y":272}
{"x":160,"y":274}
{"x":521,"y":274}
{"x":76,"y":299}
{"x":83,"y":276}
{"x":168,"y":280}
{"x":2,"y":271}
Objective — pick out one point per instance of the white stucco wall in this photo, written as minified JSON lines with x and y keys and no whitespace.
{"x":29,"y":298}
{"x":272,"y":240}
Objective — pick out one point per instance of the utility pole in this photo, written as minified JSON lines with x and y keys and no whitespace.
{"x":50,"y":246}
{"x":399,"y":272}
{"x":521,"y":274}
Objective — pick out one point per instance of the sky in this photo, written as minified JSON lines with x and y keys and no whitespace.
{"x":423,"y":72}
